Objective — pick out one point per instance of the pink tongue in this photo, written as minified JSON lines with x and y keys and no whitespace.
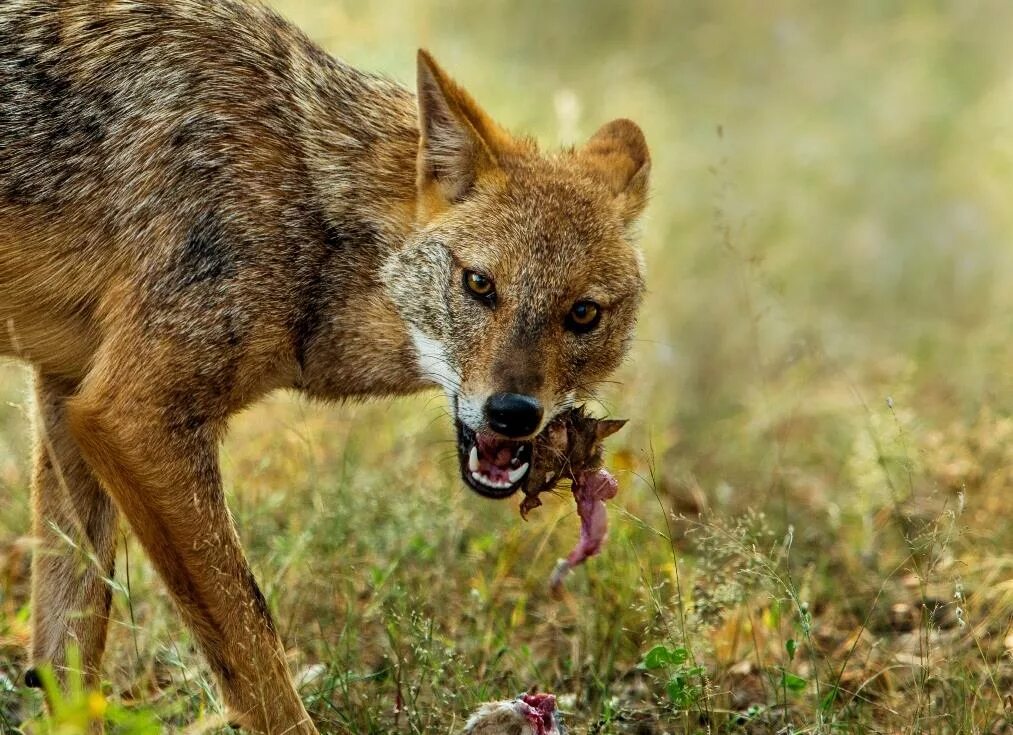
{"x":590,"y":490}
{"x":494,"y":457}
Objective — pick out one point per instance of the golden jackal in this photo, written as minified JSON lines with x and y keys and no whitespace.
{"x":199,"y":206}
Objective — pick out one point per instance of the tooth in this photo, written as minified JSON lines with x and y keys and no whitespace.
{"x":489,"y":482}
{"x":473,"y":459}
{"x":517,"y":474}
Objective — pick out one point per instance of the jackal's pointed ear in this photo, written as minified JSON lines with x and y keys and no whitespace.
{"x":617,"y":154}
{"x":607,"y":427}
{"x":458,"y":142}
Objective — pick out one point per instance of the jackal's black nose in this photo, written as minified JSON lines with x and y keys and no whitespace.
{"x":513,"y":414}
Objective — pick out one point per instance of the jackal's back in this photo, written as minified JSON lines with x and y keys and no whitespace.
{"x":157,"y":145}
{"x":111,"y":103}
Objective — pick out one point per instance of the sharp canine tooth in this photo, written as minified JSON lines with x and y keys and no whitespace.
{"x":517,"y":474}
{"x":473,"y":459}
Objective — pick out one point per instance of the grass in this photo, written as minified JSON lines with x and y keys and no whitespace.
{"x":812,"y":532}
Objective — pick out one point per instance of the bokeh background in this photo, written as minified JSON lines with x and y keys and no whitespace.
{"x":814,"y":511}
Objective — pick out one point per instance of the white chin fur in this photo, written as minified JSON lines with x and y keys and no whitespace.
{"x":434,"y":362}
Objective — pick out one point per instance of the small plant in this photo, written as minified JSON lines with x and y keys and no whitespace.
{"x":685,"y":686}
{"x":792,"y":682}
{"x":76,"y":709}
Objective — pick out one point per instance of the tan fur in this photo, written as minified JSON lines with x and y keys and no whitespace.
{"x":197,"y":207}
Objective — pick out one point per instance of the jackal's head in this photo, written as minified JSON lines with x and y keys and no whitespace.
{"x":521,"y":283}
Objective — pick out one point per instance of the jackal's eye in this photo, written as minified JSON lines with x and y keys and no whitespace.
{"x":583,"y":316}
{"x":479,"y":286}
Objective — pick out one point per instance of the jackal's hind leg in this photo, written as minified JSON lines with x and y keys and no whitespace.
{"x":75,"y":530}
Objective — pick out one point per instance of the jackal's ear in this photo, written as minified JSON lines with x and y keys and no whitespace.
{"x":618,"y":155}
{"x":607,"y":427}
{"x":458,"y":142}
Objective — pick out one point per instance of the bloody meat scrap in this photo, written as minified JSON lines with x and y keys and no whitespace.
{"x":571,"y":449}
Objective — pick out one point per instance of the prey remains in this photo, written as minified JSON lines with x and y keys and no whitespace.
{"x":570,"y":448}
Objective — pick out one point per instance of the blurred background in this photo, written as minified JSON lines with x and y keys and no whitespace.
{"x":813,"y":520}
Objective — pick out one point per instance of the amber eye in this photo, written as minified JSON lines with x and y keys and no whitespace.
{"x":583,"y":317}
{"x":481,"y":287}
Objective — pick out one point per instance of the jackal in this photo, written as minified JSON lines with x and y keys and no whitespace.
{"x":199,"y":206}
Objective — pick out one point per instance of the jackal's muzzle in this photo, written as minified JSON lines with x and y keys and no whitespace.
{"x":492,"y":465}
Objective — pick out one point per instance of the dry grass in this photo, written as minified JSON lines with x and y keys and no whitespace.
{"x":813,"y":518}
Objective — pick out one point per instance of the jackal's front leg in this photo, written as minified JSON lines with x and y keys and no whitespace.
{"x":164,"y":475}
{"x":75,"y":529}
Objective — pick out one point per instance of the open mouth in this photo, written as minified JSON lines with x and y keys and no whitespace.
{"x":491,"y":465}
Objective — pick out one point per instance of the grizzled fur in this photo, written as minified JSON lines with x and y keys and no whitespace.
{"x":199,"y":206}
